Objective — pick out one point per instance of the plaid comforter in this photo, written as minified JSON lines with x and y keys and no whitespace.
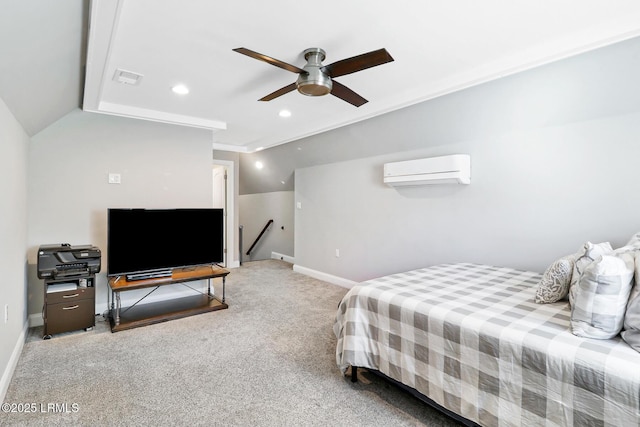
{"x":471,"y":338}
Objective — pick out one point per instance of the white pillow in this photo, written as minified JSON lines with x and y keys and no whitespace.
{"x":585,"y":256}
{"x":601,"y":297}
{"x":555,"y":282}
{"x":634,"y":240}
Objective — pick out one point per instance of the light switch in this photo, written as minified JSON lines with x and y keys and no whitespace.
{"x":114,"y":178}
{"x":299,"y":205}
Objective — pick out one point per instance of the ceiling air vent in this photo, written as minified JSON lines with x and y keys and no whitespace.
{"x":127,"y":77}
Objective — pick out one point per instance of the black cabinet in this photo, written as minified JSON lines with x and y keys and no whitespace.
{"x":69,"y":305}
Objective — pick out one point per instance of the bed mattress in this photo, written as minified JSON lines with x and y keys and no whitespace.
{"x":471,"y":338}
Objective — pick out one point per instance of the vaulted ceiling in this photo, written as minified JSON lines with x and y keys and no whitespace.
{"x":438,"y":47}
{"x":42,"y":50}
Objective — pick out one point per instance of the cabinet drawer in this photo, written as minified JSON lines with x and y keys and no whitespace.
{"x":69,"y":296}
{"x":69,"y":316}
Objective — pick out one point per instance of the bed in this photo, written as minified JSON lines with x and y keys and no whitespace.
{"x":471,"y":339}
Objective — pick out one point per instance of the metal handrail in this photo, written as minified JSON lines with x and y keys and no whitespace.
{"x":255,"y":242}
{"x":240,"y":243}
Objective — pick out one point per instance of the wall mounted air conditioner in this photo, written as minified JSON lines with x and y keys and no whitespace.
{"x":453,"y":169}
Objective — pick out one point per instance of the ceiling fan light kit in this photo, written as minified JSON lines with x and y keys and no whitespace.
{"x":315,"y":79}
{"x":314,"y":82}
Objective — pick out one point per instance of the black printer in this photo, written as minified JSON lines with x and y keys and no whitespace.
{"x":64,"y":260}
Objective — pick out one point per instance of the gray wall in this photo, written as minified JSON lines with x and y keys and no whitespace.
{"x":554,"y":163}
{"x":255,"y":211}
{"x":161,"y":166}
{"x":14,"y":144}
{"x":597,"y":84}
{"x":534,"y":196}
{"x":508,"y":123}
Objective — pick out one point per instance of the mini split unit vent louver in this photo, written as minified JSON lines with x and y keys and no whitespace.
{"x":454,"y":169}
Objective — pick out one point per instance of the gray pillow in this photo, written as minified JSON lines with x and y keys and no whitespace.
{"x":631,"y":332}
{"x":601,"y":297}
{"x":555,"y":282}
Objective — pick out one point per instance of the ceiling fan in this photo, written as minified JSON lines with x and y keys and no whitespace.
{"x":316,"y":79}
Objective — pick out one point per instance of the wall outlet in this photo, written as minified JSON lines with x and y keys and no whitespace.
{"x":337,"y":253}
{"x":6,"y":313}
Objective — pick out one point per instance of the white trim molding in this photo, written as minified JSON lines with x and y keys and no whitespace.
{"x":282,"y":257}
{"x":35,"y":320}
{"x":13,"y":362}
{"x":345,"y":283}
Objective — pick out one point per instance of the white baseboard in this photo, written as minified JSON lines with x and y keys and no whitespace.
{"x":233,"y":264}
{"x":345,"y":283}
{"x":286,"y":258}
{"x":13,"y":362}
{"x":35,"y":320}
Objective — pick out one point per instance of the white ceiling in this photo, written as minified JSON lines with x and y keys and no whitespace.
{"x":438,"y":46}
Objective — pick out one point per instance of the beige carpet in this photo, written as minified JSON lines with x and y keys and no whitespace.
{"x":268,"y":360}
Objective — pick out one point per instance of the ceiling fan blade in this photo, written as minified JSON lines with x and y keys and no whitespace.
{"x":358,"y":63}
{"x":346,"y":94}
{"x":279,"y":92}
{"x":269,"y":60}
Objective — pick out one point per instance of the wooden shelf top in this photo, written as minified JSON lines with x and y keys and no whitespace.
{"x":120,"y":283}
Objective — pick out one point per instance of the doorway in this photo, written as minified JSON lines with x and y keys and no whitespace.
{"x":223,"y":198}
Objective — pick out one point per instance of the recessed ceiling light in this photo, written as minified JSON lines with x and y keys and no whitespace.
{"x":284,"y":113}
{"x":180,"y":89}
{"x":259,"y":165}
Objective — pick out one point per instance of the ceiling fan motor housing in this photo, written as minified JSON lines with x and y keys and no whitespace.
{"x":314,"y":82}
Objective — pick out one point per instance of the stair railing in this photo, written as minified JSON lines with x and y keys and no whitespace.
{"x":255,"y":242}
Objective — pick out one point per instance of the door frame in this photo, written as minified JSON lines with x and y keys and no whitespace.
{"x":230,"y":213}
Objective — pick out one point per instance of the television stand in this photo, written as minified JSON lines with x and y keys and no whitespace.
{"x":147,"y":314}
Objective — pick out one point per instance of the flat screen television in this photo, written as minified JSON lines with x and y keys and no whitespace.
{"x":152,"y":242}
